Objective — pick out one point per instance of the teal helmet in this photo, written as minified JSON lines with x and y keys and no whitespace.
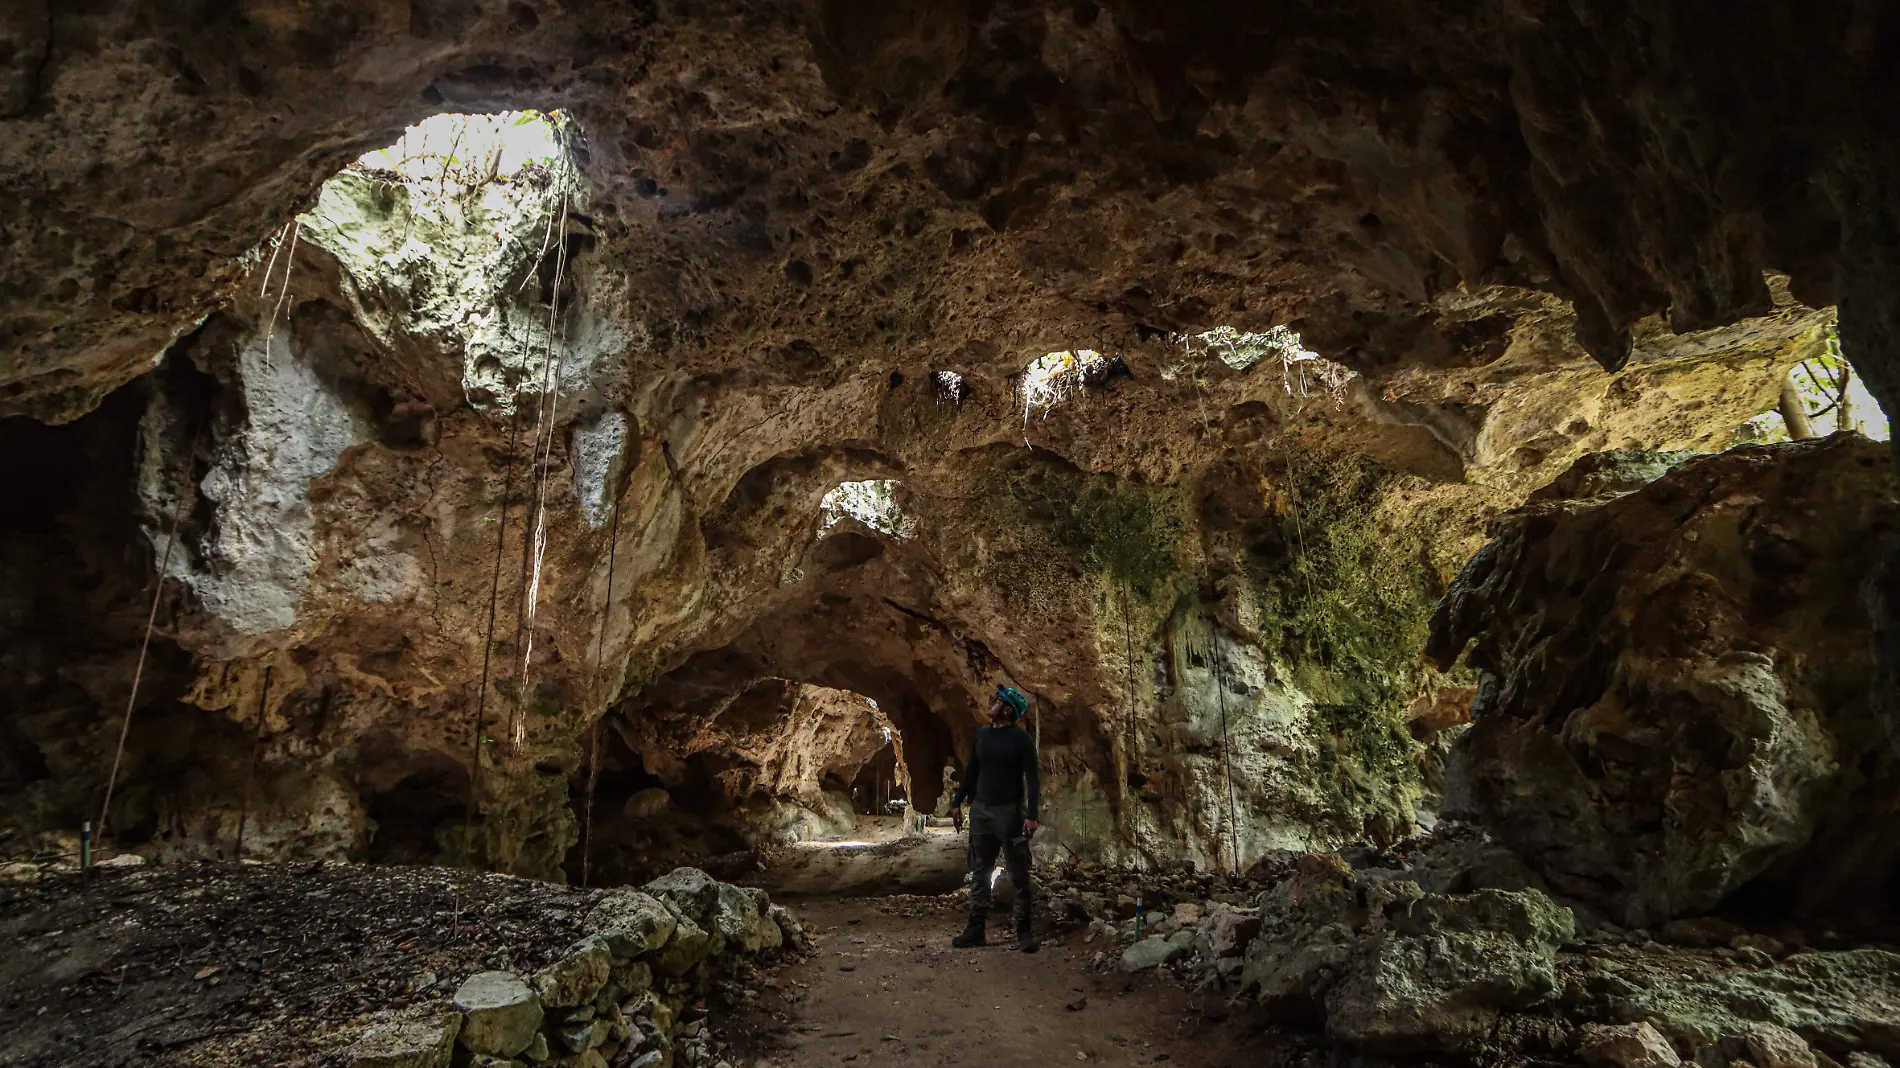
{"x":1017,"y":701}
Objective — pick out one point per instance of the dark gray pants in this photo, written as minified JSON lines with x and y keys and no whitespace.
{"x":998,"y":829}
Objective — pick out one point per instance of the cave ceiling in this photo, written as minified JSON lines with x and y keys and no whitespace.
{"x":795,"y":189}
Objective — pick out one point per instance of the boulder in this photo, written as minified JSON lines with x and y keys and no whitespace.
{"x":1151,"y":953}
{"x":583,"y":1035}
{"x":1843,"y":1002}
{"x":734,"y":918}
{"x":633,"y":923}
{"x":689,"y":945}
{"x":1636,"y":1045}
{"x":1390,"y":968}
{"x":766,"y":932}
{"x":576,"y":978}
{"x":789,"y":926}
{"x":1438,"y":979}
{"x":1229,"y":932}
{"x":416,"y":1042}
{"x":1673,"y":695}
{"x":500,"y":1014}
{"x":647,"y":803}
{"x":1772,"y":1046}
{"x":628,"y":979}
{"x":690,"y":891}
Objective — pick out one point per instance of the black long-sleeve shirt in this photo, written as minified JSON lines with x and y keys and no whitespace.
{"x":1002,"y":770}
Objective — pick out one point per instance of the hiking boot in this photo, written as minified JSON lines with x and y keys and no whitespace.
{"x":972,"y":936}
{"x":1025,"y":938}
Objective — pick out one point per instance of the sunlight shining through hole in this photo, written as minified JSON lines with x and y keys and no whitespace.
{"x":445,"y":151}
{"x":872,"y":502}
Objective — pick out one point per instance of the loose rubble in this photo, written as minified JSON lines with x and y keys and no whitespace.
{"x":631,"y":993}
{"x":1445,"y":946}
{"x":375,"y":967}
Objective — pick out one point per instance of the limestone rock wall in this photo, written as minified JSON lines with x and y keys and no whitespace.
{"x":1213,"y":579}
{"x":1674,"y":687}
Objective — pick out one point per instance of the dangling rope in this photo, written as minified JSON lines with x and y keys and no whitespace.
{"x":1128,"y":691}
{"x":1299,"y":526}
{"x":600,"y":655}
{"x":290,"y":262}
{"x":185,"y":497}
{"x":537,"y":543}
{"x":1226,"y":752}
{"x":250,"y":772}
{"x":488,"y":642}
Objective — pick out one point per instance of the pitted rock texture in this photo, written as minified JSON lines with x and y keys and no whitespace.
{"x":1685,"y":712}
{"x":1247,"y":560}
{"x":766,"y":243}
{"x":1391,"y":968}
{"x":1098,"y":171}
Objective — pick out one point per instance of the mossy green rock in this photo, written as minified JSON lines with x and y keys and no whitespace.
{"x":576,"y":978}
{"x":689,"y":945}
{"x":1439,"y":978}
{"x":500,"y":1014}
{"x":632,"y":922}
{"x":1393,"y":969}
{"x":690,"y":891}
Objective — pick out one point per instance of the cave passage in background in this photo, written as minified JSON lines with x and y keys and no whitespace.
{"x":871,"y":502}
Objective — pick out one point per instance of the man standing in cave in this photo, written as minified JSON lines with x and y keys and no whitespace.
{"x":1003,"y":779}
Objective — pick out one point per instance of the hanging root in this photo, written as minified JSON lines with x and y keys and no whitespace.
{"x":546,"y":423}
{"x":290,"y":261}
{"x":488,"y":640}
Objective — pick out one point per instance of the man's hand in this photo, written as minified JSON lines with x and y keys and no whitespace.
{"x":956,"y":817}
{"x":1029,"y":827}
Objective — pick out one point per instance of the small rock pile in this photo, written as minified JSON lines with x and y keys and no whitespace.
{"x":630,"y":994}
{"x":1198,"y":922}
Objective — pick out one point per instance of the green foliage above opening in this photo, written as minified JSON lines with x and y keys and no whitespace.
{"x":1125,"y":531}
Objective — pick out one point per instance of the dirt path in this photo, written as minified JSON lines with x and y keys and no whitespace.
{"x":886,"y":988}
{"x":879,"y":860}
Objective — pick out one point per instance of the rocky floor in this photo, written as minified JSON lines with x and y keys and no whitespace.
{"x":216,"y":964}
{"x":322,"y":964}
{"x":884,"y":987}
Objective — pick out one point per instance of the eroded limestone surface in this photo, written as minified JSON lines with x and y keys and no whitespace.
{"x":1687,"y":710}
